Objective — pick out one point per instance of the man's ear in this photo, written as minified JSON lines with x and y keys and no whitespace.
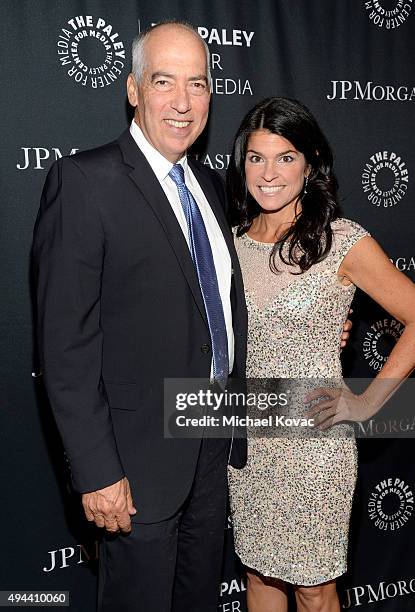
{"x":132,"y":90}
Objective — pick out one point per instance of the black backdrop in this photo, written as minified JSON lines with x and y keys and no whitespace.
{"x":63,"y":67}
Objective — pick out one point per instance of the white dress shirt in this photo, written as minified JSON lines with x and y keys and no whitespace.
{"x":221,"y":257}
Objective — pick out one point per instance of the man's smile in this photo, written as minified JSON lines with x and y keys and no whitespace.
{"x":177,"y":124}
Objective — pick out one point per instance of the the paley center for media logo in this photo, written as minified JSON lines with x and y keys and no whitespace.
{"x":379,"y":340}
{"x":388,"y":15}
{"x":391,"y":504}
{"x":90,"y":51}
{"x":385,"y":179}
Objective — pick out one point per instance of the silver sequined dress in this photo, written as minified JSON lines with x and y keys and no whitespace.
{"x":291,"y":504}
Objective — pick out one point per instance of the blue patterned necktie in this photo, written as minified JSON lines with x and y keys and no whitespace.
{"x":201,"y":253}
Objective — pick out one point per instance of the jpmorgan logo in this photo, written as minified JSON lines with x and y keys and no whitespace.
{"x":397,"y":427}
{"x":385,"y":179}
{"x":34,"y":158}
{"x":61,"y":558}
{"x":383,"y":15}
{"x":91,"y":51}
{"x":373,"y":593}
{"x":391,"y":504}
{"x":370,"y":91}
{"x":404,"y":264}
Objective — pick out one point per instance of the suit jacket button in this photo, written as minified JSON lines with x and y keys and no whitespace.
{"x":205,"y":348}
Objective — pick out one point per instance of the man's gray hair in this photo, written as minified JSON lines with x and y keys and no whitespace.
{"x":138,"y":47}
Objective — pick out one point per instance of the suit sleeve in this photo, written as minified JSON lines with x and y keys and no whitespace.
{"x":68,"y":252}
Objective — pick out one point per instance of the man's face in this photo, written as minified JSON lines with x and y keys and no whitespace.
{"x":172,"y":98}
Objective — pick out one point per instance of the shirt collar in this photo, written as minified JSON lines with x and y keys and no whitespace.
{"x":159,"y":164}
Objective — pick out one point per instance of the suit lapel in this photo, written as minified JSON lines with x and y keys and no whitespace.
{"x":146,"y":182}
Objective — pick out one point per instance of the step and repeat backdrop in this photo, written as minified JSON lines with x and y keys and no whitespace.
{"x":64,"y":64}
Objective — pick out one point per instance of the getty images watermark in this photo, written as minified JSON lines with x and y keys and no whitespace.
{"x":195,"y":408}
{"x":219,"y":403}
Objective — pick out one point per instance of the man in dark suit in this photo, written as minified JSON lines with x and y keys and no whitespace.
{"x":127,"y":239}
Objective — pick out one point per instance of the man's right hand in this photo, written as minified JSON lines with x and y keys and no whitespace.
{"x":110,"y":507}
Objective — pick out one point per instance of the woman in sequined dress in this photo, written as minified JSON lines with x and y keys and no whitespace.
{"x":301,"y":264}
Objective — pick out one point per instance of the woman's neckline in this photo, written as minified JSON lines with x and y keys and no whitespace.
{"x":257,"y":241}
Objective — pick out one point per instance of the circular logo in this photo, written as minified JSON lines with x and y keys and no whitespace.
{"x":91,"y":51}
{"x":388,"y":14}
{"x":379,"y":340}
{"x":385,"y":179}
{"x":391,"y":504}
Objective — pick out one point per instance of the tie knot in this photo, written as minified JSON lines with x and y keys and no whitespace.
{"x":177,"y":174}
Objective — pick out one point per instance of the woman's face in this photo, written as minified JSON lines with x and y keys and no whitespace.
{"x":274,"y":170}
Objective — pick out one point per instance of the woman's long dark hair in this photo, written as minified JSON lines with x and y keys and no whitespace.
{"x":310,"y":237}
